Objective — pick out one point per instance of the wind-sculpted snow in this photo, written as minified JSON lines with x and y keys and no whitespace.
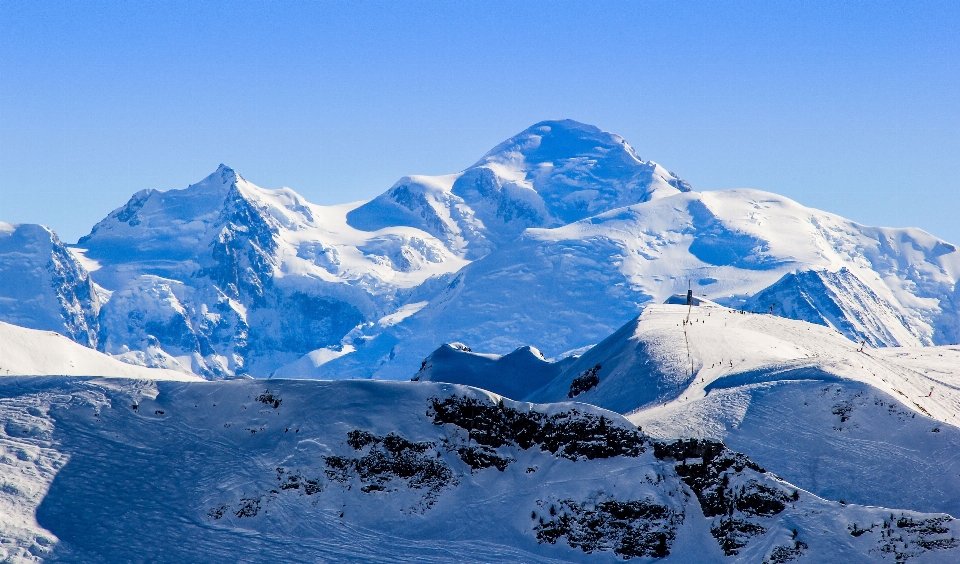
{"x":379,"y":471}
{"x":718,"y":243}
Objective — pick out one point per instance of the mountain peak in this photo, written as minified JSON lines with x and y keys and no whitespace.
{"x":223,"y":176}
{"x":553,"y":173}
{"x":560,"y":140}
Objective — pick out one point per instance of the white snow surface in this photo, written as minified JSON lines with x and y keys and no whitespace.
{"x":563,"y":288}
{"x":876,"y":426}
{"x":111,"y":470}
{"x":554,"y":239}
{"x":31,"y":352}
{"x":43,"y":286}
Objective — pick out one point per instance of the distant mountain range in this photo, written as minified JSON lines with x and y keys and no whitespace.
{"x":555,"y":238}
{"x":562,"y":400}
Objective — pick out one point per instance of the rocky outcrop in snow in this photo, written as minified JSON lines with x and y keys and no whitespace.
{"x":374,"y":471}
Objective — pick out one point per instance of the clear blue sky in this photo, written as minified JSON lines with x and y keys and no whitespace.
{"x":852,"y":108}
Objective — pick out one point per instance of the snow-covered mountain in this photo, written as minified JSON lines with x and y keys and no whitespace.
{"x":228,"y":278}
{"x":42,"y":285}
{"x":555,"y":238}
{"x":565,"y":288}
{"x":98,"y":470}
{"x":839,"y":300}
{"x":552,"y":174}
{"x":871,"y":426}
{"x":225,"y":278}
{"x":513,"y":375}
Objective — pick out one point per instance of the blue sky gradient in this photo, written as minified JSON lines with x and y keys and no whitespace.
{"x":852,"y":108}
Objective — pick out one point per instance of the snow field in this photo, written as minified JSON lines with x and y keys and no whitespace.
{"x":219,"y":472}
{"x":31,"y":352}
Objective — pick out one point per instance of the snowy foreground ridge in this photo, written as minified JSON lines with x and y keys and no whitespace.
{"x":869,"y":426}
{"x":760,"y":439}
{"x":102,"y":470}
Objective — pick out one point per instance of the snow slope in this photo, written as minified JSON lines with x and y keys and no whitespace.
{"x":229,"y":278}
{"x":42,"y":286}
{"x":568,"y":287}
{"x":387,"y":471}
{"x":874,"y":427}
{"x":31,"y":352}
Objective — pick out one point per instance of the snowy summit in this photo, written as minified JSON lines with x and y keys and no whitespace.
{"x":560,"y":353}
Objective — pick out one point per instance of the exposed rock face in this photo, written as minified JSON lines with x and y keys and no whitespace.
{"x":839,"y":300}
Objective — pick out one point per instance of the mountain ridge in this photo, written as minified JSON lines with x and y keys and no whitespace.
{"x":554,"y":238}
{"x":363,"y":470}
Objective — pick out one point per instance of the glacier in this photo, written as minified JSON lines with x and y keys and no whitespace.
{"x":554,"y":239}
